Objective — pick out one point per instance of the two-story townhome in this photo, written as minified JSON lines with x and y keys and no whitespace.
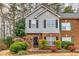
{"x":43,"y":23}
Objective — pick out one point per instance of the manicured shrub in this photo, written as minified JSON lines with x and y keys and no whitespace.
{"x":65,"y":44}
{"x":71,"y":48}
{"x":43,"y":44}
{"x":18,"y":46}
{"x":8,"y":41}
{"x":2,"y":45}
{"x":53,"y":48}
{"x":58,"y":44}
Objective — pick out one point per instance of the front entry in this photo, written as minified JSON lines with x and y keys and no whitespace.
{"x":35,"y":42}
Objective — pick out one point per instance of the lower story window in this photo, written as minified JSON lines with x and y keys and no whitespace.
{"x":67,"y":39}
{"x":51,"y":40}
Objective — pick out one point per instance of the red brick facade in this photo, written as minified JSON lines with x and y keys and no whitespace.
{"x":74,"y":33}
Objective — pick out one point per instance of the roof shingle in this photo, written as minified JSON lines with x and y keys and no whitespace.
{"x":69,"y":15}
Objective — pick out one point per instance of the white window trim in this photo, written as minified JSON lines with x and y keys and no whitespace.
{"x":69,"y":29}
{"x":67,"y":39}
{"x":53,"y":25}
{"x":33,"y":22}
{"x":51,"y":41}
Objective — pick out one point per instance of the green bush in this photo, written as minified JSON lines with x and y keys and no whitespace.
{"x":43,"y":44}
{"x":65,"y":44}
{"x":8,"y":41}
{"x":58,"y":44}
{"x":18,"y":46}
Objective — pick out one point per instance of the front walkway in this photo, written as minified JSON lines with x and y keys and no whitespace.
{"x":55,"y":54}
{"x":7,"y":53}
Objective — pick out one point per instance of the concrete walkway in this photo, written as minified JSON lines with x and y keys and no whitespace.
{"x":55,"y":54}
{"x":7,"y":53}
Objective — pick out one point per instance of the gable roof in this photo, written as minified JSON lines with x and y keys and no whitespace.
{"x":60,"y":15}
{"x":69,"y":15}
{"x":42,"y":6}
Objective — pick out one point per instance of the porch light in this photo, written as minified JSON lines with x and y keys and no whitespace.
{"x":35,"y":17}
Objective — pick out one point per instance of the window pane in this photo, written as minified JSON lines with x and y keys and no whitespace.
{"x":66,"y":26}
{"x":63,"y":27}
{"x":50,"y":40}
{"x":33,"y":21}
{"x":33,"y":24}
{"x":51,"y":23}
{"x":66,"y":39}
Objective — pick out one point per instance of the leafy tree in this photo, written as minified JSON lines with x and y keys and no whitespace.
{"x":8,"y":41}
{"x":20,"y":28}
{"x":68,"y":9}
{"x":3,"y":21}
{"x":21,"y":24}
{"x":57,"y":7}
{"x":13,"y":12}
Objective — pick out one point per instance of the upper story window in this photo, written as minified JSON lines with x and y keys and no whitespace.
{"x":66,"y":26}
{"x":33,"y":23}
{"x":52,"y":23}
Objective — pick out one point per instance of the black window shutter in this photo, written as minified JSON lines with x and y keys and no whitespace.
{"x":56,"y":23}
{"x":29,"y":23}
{"x":36,"y":23}
{"x":44,"y":23}
{"x":60,"y":24}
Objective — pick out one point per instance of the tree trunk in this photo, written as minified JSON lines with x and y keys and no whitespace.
{"x":2,"y":26}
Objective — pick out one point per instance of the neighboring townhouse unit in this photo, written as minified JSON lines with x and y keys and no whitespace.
{"x":70,"y":27}
{"x":43,"y":23}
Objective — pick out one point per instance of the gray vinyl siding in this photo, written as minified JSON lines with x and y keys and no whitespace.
{"x":45,"y":16}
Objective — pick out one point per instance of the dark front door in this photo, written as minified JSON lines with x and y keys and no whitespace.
{"x":35,"y":42}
